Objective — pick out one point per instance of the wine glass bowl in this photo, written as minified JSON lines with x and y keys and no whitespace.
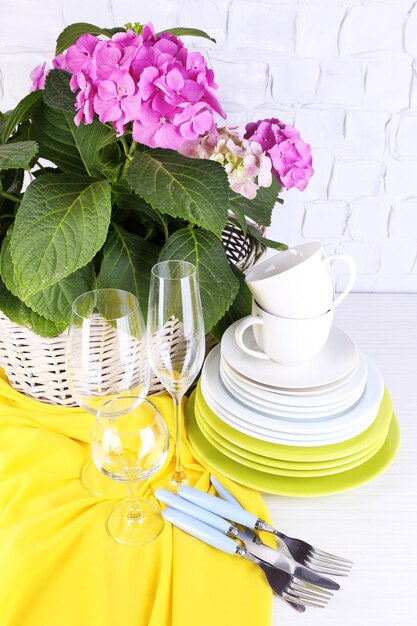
{"x":176,"y":337}
{"x":106,"y":350}
{"x":129,"y":443}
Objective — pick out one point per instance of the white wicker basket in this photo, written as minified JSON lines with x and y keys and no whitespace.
{"x":36,"y":366}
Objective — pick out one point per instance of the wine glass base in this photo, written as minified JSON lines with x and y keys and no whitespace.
{"x":171,"y":483}
{"x":178,"y":479}
{"x":98,"y":483}
{"x":135,"y":531}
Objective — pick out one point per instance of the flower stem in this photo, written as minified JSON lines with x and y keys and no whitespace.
{"x":125,"y":146}
{"x":10,"y":196}
{"x":132,"y":150}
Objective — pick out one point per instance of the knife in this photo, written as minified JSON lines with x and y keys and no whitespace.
{"x":289,"y":591}
{"x":260,"y":551}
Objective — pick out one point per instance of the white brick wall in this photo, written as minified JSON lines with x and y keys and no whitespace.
{"x":343,"y":71}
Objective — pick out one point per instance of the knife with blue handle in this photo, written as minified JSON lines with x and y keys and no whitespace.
{"x":223,"y":492}
{"x":260,"y":551}
{"x":219,"y":507}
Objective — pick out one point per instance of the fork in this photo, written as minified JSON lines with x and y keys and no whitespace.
{"x":318,"y":560}
{"x":285,"y":585}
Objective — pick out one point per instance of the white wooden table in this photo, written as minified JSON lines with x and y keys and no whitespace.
{"x":375,"y":525}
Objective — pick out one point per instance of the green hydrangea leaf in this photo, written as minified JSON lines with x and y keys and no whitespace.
{"x":21,"y":113}
{"x":127,"y":263}
{"x":20,"y":314}
{"x":241,"y":306}
{"x":73,"y":149}
{"x":192,"y":189}
{"x":260,"y":208}
{"x":268,"y":243}
{"x":183,"y":32}
{"x":218,"y":284}
{"x":17,"y":155}
{"x":71,"y":33}
{"x":57,"y":92}
{"x":60,"y":225}
{"x":55,"y":302}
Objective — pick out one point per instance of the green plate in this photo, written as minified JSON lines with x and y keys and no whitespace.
{"x":296,"y":472}
{"x":297,"y":453}
{"x":286,"y":485}
{"x":279,"y":463}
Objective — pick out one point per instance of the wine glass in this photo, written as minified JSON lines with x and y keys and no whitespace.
{"x":106,"y":357}
{"x":176,"y":338}
{"x":129,"y":443}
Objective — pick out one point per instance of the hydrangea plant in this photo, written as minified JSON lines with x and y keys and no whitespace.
{"x":128,"y":165}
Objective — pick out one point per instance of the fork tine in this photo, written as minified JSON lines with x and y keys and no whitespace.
{"x":328,"y":559}
{"x":322,"y":559}
{"x":312,"y":594}
{"x":313,"y":561}
{"x":328,"y":562}
{"x":309,"y":588}
{"x":326,"y":570}
{"x":332,"y":557}
{"x":304,"y":602}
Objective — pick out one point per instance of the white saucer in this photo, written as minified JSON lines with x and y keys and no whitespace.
{"x":336,"y":360}
{"x":246,"y":396}
{"x":279,"y":429}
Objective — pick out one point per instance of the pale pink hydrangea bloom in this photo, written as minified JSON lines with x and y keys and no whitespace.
{"x":246,"y":164}
{"x":38,"y":77}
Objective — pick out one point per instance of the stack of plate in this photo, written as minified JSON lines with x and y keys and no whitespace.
{"x":315,"y":429}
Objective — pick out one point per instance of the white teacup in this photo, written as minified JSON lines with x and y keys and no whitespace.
{"x":298,"y":283}
{"x":284,"y":340}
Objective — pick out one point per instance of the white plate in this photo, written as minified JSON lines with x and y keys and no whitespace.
{"x":326,"y":399}
{"x":279,"y":429}
{"x":336,"y":360}
{"x":303,"y":393}
{"x":245,"y":395}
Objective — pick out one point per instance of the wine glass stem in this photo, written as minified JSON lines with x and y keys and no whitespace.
{"x":135,"y":514}
{"x":179,"y":476}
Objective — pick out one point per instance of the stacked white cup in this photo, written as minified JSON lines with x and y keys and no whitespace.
{"x":294,"y":302}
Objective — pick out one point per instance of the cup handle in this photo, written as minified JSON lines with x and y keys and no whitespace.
{"x":240,"y":330}
{"x":346,"y":258}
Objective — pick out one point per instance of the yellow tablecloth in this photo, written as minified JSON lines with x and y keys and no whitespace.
{"x":58,"y":566}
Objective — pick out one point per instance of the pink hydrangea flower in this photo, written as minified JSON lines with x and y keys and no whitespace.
{"x":60,"y":62}
{"x":290,"y":155}
{"x":114,"y":61}
{"x":84,"y":102}
{"x":155,"y":127}
{"x":117,"y":101}
{"x":81,"y":56}
{"x":194,"y":121}
{"x":151,"y":80}
{"x":38,"y":77}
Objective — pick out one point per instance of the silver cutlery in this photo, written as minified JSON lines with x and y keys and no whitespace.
{"x":258,"y":550}
{"x":287,"y":586}
{"x":301,"y":551}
